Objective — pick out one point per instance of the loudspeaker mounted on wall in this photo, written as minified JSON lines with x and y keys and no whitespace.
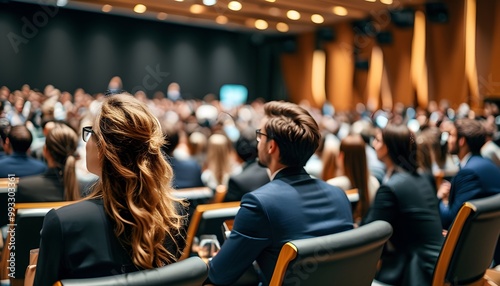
{"x":384,"y":37}
{"x":436,"y":12}
{"x":403,"y":18}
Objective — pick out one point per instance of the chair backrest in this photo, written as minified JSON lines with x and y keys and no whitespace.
{"x":344,"y":258}
{"x":470,"y":243}
{"x":189,"y":272}
{"x":208,"y":219}
{"x":220,"y":194}
{"x":28,"y":219}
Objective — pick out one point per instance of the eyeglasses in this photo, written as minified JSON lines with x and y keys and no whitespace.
{"x":259,"y":134}
{"x":86,"y":133}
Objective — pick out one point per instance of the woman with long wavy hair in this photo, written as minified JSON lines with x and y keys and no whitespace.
{"x":131,"y":221}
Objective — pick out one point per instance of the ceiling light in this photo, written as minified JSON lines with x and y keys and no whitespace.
{"x":196,"y":9}
{"x":388,"y":2}
{"x":107,"y":8}
{"x":293,"y":15}
{"x":234,"y":5}
{"x":317,"y":18}
{"x":179,"y":0}
{"x":370,"y":0}
{"x":272,"y":1}
{"x":282,"y":27}
{"x":161,"y":16}
{"x":339,"y":11}
{"x":139,"y":9}
{"x":261,"y":24}
{"x":221,"y":19}
{"x":274,"y":11}
{"x":209,"y":2}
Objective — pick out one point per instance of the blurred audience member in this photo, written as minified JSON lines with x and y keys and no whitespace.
{"x":408,"y":202}
{"x":59,"y":182}
{"x":18,"y":163}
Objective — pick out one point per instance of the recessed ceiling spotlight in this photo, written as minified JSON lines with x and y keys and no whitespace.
{"x":387,"y":2}
{"x":272,"y":1}
{"x":282,"y":27}
{"x":179,"y":0}
{"x":209,"y":2}
{"x":196,"y":9}
{"x":139,"y":9}
{"x":107,"y":8}
{"x":234,"y":5}
{"x":261,"y":24}
{"x":293,"y":15}
{"x":221,"y":19}
{"x":339,"y":11}
{"x":161,"y":16}
{"x":317,"y":18}
{"x":371,"y":1}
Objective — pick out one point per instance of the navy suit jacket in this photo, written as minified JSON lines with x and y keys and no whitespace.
{"x":292,"y":206}
{"x":479,"y":178}
{"x":20,"y":165}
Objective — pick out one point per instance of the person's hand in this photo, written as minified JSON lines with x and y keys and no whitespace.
{"x":443,"y":192}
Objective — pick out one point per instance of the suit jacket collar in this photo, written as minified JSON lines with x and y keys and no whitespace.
{"x":291,"y":172}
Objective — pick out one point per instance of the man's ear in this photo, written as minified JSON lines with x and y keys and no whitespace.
{"x":462,"y":142}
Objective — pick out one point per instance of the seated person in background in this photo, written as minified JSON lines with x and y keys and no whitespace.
{"x":59,"y":182}
{"x":408,"y":202}
{"x":292,"y":206}
{"x":18,"y":163}
{"x":354,"y":169}
{"x":252,"y":176}
{"x":477,"y":178}
{"x":187,"y":172}
{"x":131,"y":221}
{"x":220,"y":163}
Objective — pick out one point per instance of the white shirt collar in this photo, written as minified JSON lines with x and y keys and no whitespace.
{"x":465,"y":159}
{"x":275,"y":173}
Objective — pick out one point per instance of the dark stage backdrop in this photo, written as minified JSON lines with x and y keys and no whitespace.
{"x":43,"y":45}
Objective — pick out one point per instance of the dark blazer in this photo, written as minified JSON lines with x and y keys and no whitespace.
{"x":187,"y":173}
{"x":47,"y":187}
{"x":20,"y":165}
{"x":78,"y":241}
{"x":292,"y":206}
{"x":479,"y":178}
{"x":251,"y":178}
{"x":409,"y":203}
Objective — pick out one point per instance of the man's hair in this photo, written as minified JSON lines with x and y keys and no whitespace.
{"x":294,"y":130}
{"x":473,"y":132}
{"x":401,"y":146}
{"x":20,"y":138}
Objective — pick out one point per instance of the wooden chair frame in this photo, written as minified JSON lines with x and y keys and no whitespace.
{"x":196,"y":219}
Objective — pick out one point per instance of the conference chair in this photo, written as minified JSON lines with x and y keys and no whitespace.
{"x":208,"y":219}
{"x":28,"y":219}
{"x":469,"y":246}
{"x":344,"y":258}
{"x":189,"y":272}
{"x":220,"y":194}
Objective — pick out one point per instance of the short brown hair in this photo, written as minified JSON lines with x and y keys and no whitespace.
{"x":473,"y":132}
{"x":294,"y":130}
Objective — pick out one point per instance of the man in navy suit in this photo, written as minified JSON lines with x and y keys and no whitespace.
{"x":477,"y":178}
{"x":19,"y":163}
{"x":292,"y":206}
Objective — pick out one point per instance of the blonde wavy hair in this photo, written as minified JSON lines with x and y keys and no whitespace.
{"x":135,"y":184}
{"x":61,"y":143}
